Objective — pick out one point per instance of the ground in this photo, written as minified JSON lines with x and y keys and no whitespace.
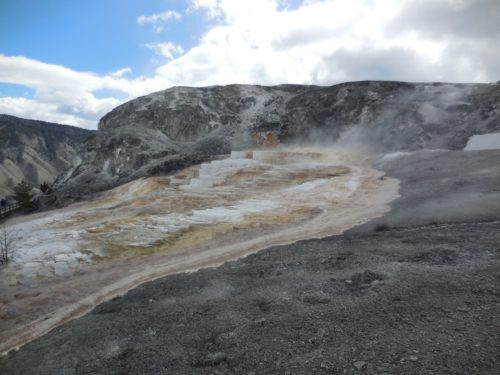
{"x":416,"y":291}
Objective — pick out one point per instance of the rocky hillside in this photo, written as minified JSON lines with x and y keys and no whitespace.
{"x":35,"y":151}
{"x":171,"y":129}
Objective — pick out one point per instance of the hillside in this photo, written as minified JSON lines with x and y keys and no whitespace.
{"x":172,"y":129}
{"x":35,"y":151}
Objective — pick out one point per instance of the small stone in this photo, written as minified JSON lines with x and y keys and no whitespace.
{"x":260,"y":321}
{"x":217,"y":358}
{"x":413,"y":358}
{"x":359,"y":365}
{"x":348,"y":281}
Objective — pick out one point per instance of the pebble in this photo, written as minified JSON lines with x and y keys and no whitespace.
{"x":260,"y":321}
{"x":348,"y":281}
{"x":359,"y":365}
{"x":217,"y":358}
{"x":413,"y":358}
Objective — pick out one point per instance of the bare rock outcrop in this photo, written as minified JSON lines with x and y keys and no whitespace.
{"x":171,"y":129}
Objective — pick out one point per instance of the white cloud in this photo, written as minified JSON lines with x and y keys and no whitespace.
{"x":328,"y":41}
{"x":33,"y":109}
{"x":263,"y":41}
{"x":64,"y":95}
{"x":211,"y":6}
{"x":121,"y":72}
{"x":166,"y":49}
{"x":159,"y":17}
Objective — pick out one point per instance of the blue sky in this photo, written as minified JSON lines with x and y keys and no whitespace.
{"x":100,"y":36}
{"x":71,"y":61}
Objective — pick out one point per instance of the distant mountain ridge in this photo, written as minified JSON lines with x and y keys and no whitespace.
{"x":36,"y":151}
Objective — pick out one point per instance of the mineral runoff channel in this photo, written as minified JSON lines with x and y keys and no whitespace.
{"x":70,"y":260}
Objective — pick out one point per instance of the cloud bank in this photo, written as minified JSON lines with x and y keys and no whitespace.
{"x":270,"y":42}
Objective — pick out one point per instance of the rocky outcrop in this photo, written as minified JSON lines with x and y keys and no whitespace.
{"x":171,"y":129}
{"x":36,"y":151}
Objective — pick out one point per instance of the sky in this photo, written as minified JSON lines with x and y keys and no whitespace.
{"x":71,"y":62}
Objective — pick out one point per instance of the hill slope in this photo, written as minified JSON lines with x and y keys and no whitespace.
{"x":35,"y":151}
{"x":181,"y":126}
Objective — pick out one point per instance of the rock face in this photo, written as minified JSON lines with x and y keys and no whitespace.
{"x":35,"y":151}
{"x":172,"y":129}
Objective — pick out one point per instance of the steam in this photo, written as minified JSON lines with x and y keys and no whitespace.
{"x":408,"y":119}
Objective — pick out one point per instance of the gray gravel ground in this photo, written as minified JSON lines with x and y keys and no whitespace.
{"x":414,"y":292}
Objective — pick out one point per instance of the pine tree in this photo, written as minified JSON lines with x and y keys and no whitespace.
{"x":44,"y":187}
{"x":23,"y":192}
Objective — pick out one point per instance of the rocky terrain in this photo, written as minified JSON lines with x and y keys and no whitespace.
{"x":414,"y":292}
{"x":36,"y":151}
{"x":169,"y":130}
{"x":413,"y":288}
{"x":68,"y":260}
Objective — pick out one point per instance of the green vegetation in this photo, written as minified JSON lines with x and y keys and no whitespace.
{"x":45,"y":187}
{"x":23,"y":193}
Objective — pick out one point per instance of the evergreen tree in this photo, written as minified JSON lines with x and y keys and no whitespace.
{"x":23,"y":192}
{"x":44,"y":187}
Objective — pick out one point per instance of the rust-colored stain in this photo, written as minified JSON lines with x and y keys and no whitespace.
{"x":269,"y":138}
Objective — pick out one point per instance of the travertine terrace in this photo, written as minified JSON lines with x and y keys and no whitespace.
{"x":79,"y":256}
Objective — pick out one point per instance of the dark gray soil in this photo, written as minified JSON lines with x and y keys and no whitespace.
{"x":415,"y":292}
{"x":443,"y":187}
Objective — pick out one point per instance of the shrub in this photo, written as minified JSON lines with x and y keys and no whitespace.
{"x":23,"y":193}
{"x":7,"y":246}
